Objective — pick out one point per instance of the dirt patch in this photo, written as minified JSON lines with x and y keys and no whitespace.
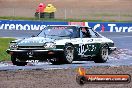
{"x":86,"y":9}
{"x":58,"y":78}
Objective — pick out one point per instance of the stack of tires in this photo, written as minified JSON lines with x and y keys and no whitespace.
{"x":44,"y":15}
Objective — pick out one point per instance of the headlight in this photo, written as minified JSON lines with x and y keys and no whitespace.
{"x":49,"y":45}
{"x":13,"y":46}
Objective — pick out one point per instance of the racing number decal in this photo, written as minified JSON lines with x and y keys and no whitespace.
{"x":91,"y":47}
{"x":83,"y":48}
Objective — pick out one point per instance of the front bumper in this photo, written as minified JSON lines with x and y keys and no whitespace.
{"x":36,"y":54}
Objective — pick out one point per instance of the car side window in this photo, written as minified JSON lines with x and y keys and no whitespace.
{"x":93,"y":35}
{"x":85,"y":33}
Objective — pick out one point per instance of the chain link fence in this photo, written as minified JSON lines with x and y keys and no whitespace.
{"x":69,"y":13}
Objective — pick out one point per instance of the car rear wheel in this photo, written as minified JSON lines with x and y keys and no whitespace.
{"x":102,"y":57}
{"x":68,"y":54}
{"x":16,"y":61}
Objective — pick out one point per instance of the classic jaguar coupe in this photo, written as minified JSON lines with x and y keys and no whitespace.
{"x":62,"y":44}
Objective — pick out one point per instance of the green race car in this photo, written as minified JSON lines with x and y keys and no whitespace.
{"x":62,"y":44}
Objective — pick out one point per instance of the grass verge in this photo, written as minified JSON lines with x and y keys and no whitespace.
{"x":4,"y":44}
{"x":56,"y":20}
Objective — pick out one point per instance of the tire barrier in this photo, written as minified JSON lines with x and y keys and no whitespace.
{"x":44,"y":11}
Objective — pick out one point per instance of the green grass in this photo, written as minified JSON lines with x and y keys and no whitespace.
{"x":105,"y":14}
{"x":112,"y":15}
{"x":4,"y":44}
{"x":60,"y":20}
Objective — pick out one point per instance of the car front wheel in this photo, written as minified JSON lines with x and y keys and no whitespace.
{"x":68,"y":54}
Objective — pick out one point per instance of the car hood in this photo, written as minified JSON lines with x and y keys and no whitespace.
{"x":35,"y":41}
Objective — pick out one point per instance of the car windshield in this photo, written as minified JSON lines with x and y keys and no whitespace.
{"x":59,"y":31}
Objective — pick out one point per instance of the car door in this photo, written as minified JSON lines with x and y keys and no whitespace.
{"x":89,"y":44}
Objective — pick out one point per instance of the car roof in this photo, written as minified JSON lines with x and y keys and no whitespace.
{"x":71,"y":26}
{"x":85,"y":27}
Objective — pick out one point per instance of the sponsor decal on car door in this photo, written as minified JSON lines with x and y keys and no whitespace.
{"x":88,"y":46}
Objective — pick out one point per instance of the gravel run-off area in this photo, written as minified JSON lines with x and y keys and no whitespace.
{"x":58,"y":78}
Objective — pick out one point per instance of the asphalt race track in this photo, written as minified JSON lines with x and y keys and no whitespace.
{"x":122,"y":56}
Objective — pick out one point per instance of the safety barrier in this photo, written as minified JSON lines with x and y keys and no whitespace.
{"x":26,"y":25}
{"x":40,"y":25}
{"x":107,"y":26}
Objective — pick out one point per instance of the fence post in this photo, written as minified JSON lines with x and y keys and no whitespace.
{"x":39,"y":13}
{"x":119,"y":16}
{"x":13,"y":12}
{"x":65,"y":13}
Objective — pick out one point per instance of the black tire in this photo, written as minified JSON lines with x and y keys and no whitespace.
{"x":37,"y":14}
{"x":46,"y":15}
{"x":41,"y":15}
{"x":102,"y":57}
{"x":69,"y":54}
{"x":15,"y":62}
{"x":52,"y":15}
